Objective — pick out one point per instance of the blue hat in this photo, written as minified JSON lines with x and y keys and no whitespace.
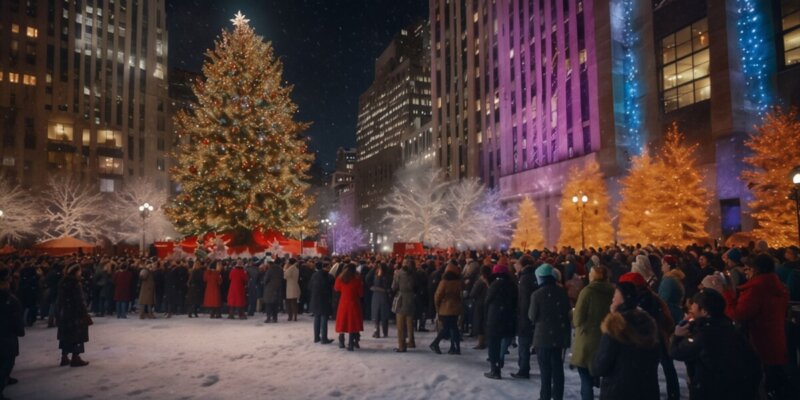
{"x":544,"y":270}
{"x":536,"y":254}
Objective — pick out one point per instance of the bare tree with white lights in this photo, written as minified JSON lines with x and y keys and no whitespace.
{"x":19,"y":212}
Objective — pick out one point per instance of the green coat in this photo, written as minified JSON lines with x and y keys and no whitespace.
{"x":590,"y":309}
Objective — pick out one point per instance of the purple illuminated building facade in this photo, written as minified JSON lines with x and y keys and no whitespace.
{"x":523,"y":90}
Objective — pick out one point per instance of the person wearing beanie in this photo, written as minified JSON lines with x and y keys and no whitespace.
{"x":721,"y":362}
{"x":643,"y":267}
{"x":549,"y":312}
{"x":320,"y":303}
{"x":527,"y":285}
{"x":761,"y":305}
{"x":590,"y":309}
{"x":72,"y":318}
{"x":734,"y":269}
{"x":633,"y":278}
{"x":671,"y":289}
{"x":627,"y":356}
{"x":501,"y":304}
{"x":272,"y":284}
{"x":12,"y":327}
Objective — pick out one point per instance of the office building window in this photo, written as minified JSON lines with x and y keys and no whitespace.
{"x":60,"y":132}
{"x":107,"y":185}
{"x":685,"y":66}
{"x":790,"y":22}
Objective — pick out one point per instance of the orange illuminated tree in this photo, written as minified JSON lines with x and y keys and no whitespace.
{"x":775,"y":150}
{"x":528,"y":233}
{"x":638,"y":207}
{"x":244,"y":165}
{"x":598,"y":230}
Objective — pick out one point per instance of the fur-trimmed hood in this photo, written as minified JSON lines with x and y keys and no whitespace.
{"x":677,"y":274}
{"x":634,"y":328}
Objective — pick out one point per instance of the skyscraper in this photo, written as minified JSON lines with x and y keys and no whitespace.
{"x":523,"y":90}
{"x":83,"y":91}
{"x":397,"y":100}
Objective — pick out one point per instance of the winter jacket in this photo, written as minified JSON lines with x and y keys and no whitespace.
{"x":237,"y":297}
{"x":72,"y":317}
{"x":12,"y":326}
{"x":590,"y":310}
{"x":147,"y":288}
{"x":527,"y":285}
{"x":349,"y":318}
{"x":273,"y":281}
{"x":671,"y":291}
{"x":628,"y":357}
{"x":292,"y":276}
{"x":28,"y":287}
{"x":761,"y":308}
{"x":212,"y":297}
{"x":501,"y":307}
{"x":549,"y":313}
{"x":404,"y":287}
{"x":380,"y":302}
{"x":723,"y":365}
{"x":447,"y":297}
{"x":194,"y":296}
{"x":478,"y":297}
{"x":122,"y":285}
{"x":321,"y":287}
{"x":175,"y":284}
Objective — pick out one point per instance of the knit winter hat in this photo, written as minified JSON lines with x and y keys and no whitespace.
{"x":544,"y":270}
{"x":500,"y":269}
{"x":634,"y":278}
{"x":642,"y":266}
{"x":734,"y":255}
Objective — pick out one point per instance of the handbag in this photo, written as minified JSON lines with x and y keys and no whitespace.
{"x":395,"y":303}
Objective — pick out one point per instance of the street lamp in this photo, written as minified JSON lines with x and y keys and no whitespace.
{"x":795,"y":195}
{"x":329,"y":231}
{"x":144,"y":212}
{"x":580,"y":204}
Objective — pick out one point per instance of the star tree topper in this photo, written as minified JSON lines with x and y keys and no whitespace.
{"x":239,"y":19}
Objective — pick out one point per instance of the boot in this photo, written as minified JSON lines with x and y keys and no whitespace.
{"x":351,"y":342}
{"x":435,"y":347}
{"x":341,"y":340}
{"x":481,"y":343}
{"x":454,"y":349}
{"x":326,"y":341}
{"x":386,"y":330}
{"x":411,"y":345}
{"x":357,"y":340}
{"x":241,"y":314}
{"x":141,"y":315}
{"x":494,"y":373}
{"x":376,"y":334}
{"x":77,"y":362}
{"x":51,"y":322}
{"x":64,"y":360}
{"x":153,"y":316}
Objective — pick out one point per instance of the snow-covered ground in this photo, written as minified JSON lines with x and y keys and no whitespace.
{"x":182,"y":358}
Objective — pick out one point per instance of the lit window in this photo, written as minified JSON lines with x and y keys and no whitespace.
{"x":685,"y":67}
{"x":109,"y":138}
{"x":110,"y":165}
{"x":790,"y":10}
{"x":107,"y":185}
{"x":1,"y":76}
{"x":29,"y":80}
{"x":32,"y":32}
{"x":159,"y":73}
{"x":59,"y":132}
{"x":13,"y":77}
{"x":14,"y":28}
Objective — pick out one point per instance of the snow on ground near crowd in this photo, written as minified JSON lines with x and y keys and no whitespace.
{"x":182,"y":358}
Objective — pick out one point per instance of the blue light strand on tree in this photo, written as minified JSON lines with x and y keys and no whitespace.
{"x":754,"y":55}
{"x":633,"y":115}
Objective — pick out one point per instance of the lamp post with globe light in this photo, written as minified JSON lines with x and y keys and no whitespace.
{"x":580,"y":204}
{"x":144,"y":212}
{"x":795,"y":195}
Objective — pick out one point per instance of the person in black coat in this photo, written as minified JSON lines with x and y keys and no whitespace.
{"x":158,"y":279}
{"x":273,"y":280}
{"x":254,"y":277}
{"x":175,"y":284}
{"x":501,"y":318}
{"x":28,"y":292}
{"x":433,"y":283}
{"x":720,"y":361}
{"x":196,"y":290}
{"x":72,"y":318}
{"x":628,"y":355}
{"x":51,"y":281}
{"x":11,"y":328}
{"x":421,"y":296}
{"x":321,"y":296}
{"x":478,"y":296}
{"x":549,"y":312}
{"x":379,"y":282}
{"x":526,"y":285}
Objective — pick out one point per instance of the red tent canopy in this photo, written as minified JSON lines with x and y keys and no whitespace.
{"x":63,"y":246}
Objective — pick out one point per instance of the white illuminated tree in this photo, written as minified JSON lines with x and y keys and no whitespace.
{"x":348,"y":236}
{"x":416,"y":208}
{"x":74,"y":209}
{"x":19,"y":212}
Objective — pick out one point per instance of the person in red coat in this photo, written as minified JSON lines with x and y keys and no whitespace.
{"x":122,"y":290}
{"x":212,"y":298}
{"x":348,"y":315}
{"x":760,"y":307}
{"x":237,"y":297}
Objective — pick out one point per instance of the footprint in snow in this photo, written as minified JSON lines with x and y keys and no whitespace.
{"x":210,"y":380}
{"x":335,"y":393}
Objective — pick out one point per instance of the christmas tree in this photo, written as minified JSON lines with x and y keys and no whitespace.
{"x":528,"y":235}
{"x":598,"y":230}
{"x":776,"y":151}
{"x":684,"y":206}
{"x":244,"y":164}
{"x":638,"y":209}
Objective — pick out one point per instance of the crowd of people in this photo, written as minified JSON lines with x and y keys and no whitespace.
{"x":622,"y":310}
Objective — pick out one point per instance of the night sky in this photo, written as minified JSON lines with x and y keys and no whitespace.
{"x":328,"y":48}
